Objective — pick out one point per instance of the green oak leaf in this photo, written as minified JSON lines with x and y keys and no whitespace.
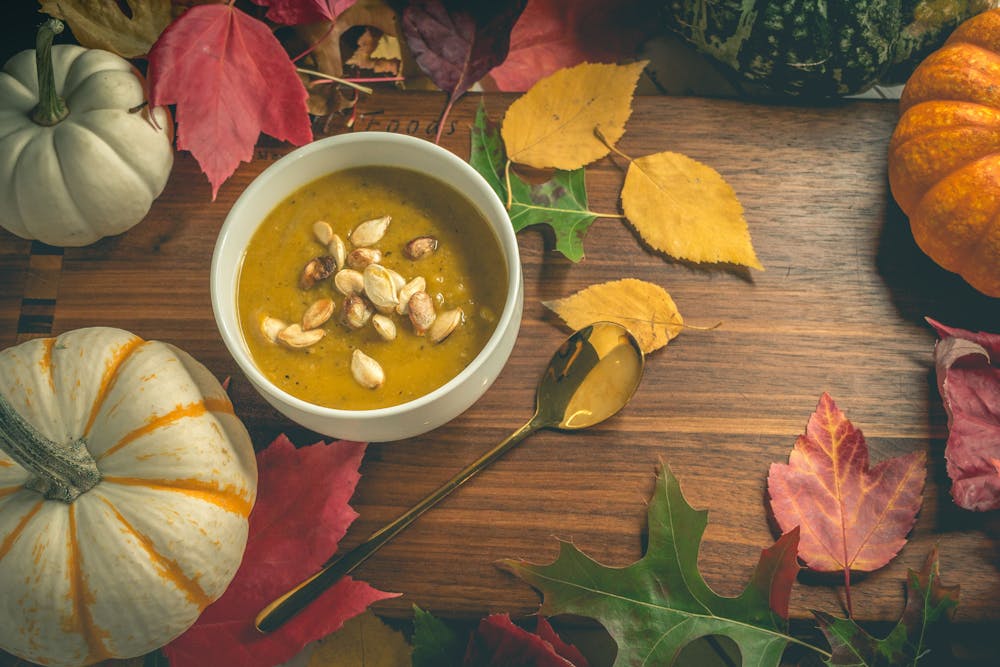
{"x":560,"y":203}
{"x":929,"y":605}
{"x":434,"y":643}
{"x":660,"y":603}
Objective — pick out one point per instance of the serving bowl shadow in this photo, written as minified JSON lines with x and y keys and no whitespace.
{"x":303,"y":166}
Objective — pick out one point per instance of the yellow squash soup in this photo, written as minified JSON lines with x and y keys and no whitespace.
{"x":361,"y":347}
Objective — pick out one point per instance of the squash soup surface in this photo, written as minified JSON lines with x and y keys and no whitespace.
{"x":466,"y":271}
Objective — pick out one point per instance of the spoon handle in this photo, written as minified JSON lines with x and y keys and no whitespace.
{"x":291,"y":603}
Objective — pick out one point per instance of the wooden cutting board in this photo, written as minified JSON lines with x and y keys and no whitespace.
{"x":839,"y":309}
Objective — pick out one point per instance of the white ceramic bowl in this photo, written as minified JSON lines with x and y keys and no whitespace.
{"x":307,"y":164}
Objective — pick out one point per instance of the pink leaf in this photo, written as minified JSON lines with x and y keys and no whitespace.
{"x":968,"y":377}
{"x":300,"y":516}
{"x":296,"y":12}
{"x":552,"y":34}
{"x":231,"y":80}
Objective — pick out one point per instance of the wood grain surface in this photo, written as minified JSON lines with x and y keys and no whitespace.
{"x":839,"y":309}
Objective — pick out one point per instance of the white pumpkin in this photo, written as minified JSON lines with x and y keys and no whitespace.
{"x":125,"y":486}
{"x":95,"y":172}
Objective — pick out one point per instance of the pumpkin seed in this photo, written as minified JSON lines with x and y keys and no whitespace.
{"x":379,"y":286}
{"x":444,"y":324}
{"x":294,"y":336}
{"x":366,"y":371}
{"x":317,"y":314}
{"x":349,"y":281}
{"x":384,"y":327}
{"x":418,"y":284}
{"x":398,"y":281}
{"x":338,"y":250}
{"x":420,"y":246}
{"x":421,"y":309}
{"x":316,"y":270}
{"x":355,"y":312}
{"x":370,"y":232}
{"x":323,"y":231}
{"x":271,"y":327}
{"x":359,"y":258}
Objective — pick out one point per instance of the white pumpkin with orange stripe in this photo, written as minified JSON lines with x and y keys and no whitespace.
{"x":126,"y":482}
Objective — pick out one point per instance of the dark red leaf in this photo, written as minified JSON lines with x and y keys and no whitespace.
{"x":296,"y":12}
{"x":300,"y":516}
{"x":231,"y":80}
{"x":968,"y":377}
{"x":497,"y":642}
{"x":457,"y":43}
{"x":568,"y":651}
{"x":552,"y":34}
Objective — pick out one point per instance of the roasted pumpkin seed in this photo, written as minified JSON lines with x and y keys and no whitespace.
{"x":421,"y":310}
{"x":359,"y":258}
{"x":370,"y":232}
{"x":420,"y":246}
{"x":366,"y":371}
{"x":294,"y":336}
{"x":384,"y":327}
{"x":316,"y":270}
{"x":349,"y":281}
{"x":317,"y":314}
{"x":444,"y":324}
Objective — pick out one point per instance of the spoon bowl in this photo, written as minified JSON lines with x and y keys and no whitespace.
{"x":592,"y":375}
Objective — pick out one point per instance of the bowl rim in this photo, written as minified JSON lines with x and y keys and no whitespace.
{"x":220,"y":289}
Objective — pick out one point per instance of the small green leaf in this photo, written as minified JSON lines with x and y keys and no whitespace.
{"x":434,"y":643}
{"x":661,"y":603}
{"x":917,"y":638}
{"x":560,"y":203}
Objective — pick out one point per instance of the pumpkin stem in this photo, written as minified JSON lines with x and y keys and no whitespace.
{"x":62,"y":472}
{"x":51,"y":108}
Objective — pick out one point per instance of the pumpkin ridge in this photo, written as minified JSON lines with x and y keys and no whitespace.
{"x":82,"y":620}
{"x":195,"y":409}
{"x":229,"y":498}
{"x":167,"y":567}
{"x":946,"y":176}
{"x":110,"y":377}
{"x":8,"y":542}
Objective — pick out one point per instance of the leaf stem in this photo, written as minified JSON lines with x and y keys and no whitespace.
{"x":315,"y":44}
{"x":506,"y":175}
{"x":600,"y":135}
{"x":847,"y":591}
{"x":51,"y":108}
{"x":444,"y":116}
{"x":335,"y":79}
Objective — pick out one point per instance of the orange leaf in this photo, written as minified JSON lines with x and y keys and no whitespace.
{"x":852,"y":517}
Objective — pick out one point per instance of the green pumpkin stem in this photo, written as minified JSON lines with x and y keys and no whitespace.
{"x":51,"y":108}
{"x":62,"y":472}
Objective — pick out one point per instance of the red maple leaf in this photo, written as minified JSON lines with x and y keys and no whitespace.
{"x":851,"y":517}
{"x":296,"y":12}
{"x":231,"y":80}
{"x":968,"y":378}
{"x":300,"y":516}
{"x":552,"y":34}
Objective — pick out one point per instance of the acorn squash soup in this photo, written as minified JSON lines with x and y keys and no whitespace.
{"x":370,"y":287}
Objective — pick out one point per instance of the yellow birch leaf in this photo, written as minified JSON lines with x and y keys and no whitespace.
{"x":643,"y":308}
{"x":100,"y":24}
{"x":686,"y":209}
{"x":552,"y":125}
{"x":363,"y":641}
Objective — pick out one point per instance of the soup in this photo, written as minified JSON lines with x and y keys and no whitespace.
{"x":369,"y":349}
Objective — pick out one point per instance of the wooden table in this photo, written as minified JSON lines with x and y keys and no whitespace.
{"x":839,"y":309}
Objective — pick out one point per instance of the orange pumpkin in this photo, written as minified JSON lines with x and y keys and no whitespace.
{"x":944,"y":157}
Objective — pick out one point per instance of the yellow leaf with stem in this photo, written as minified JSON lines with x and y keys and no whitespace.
{"x":363,"y":641}
{"x":687,"y":210}
{"x":645,"y":309}
{"x":100,"y":24}
{"x":552,"y":125}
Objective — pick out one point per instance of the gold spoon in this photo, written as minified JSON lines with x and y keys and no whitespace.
{"x":591,"y":377}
